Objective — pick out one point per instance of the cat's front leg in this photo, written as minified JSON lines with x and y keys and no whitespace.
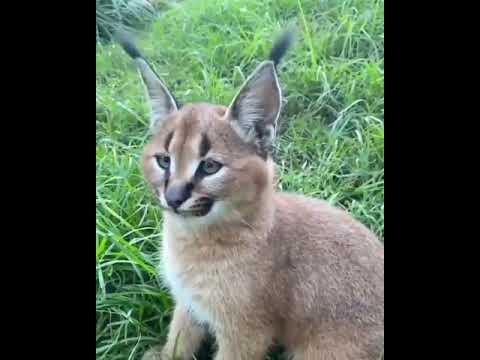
{"x":184,"y":338}
{"x":243,"y":344}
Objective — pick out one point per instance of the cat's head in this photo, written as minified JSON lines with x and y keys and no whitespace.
{"x":210,"y":161}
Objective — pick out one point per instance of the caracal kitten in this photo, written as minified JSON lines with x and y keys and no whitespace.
{"x":251,"y":265}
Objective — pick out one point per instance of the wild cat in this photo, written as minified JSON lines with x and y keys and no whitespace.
{"x":249,"y":264}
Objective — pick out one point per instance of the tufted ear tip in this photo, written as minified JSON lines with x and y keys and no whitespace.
{"x":281,"y":46}
{"x":162,"y":102}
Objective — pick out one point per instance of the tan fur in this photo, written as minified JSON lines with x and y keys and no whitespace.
{"x":262,"y":266}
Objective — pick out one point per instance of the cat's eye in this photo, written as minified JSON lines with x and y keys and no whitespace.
{"x":163,"y":161}
{"x":210,"y":166}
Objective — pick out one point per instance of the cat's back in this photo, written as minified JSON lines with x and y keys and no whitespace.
{"x":315,"y":222}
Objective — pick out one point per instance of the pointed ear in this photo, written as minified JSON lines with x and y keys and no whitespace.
{"x":255,"y":110}
{"x":162,"y":103}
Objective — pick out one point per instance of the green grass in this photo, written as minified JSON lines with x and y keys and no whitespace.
{"x":332,"y":148}
{"x":113,"y":15}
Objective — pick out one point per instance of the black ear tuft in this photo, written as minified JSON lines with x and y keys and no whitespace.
{"x":280,"y":47}
{"x":127,"y":43}
{"x":162,"y":102}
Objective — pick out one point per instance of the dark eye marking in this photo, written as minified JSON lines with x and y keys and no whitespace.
{"x":168,"y":140}
{"x":205,"y":145}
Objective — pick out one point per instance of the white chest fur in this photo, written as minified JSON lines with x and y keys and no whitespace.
{"x":188,"y":285}
{"x":215,"y":284}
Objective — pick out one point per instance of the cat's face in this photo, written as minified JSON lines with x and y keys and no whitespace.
{"x":208,"y":161}
{"x":199,"y":167}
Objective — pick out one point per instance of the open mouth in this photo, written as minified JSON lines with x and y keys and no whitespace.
{"x":201,"y":208}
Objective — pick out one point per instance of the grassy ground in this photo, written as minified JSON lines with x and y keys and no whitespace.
{"x":333,"y":147}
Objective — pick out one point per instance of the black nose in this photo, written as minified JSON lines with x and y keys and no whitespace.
{"x":177,"y":194}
